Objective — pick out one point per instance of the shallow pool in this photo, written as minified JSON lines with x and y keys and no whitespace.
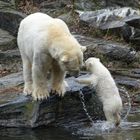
{"x":128,"y":130}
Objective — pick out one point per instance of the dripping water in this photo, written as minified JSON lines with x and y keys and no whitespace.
{"x":81,"y":95}
{"x":124,"y":91}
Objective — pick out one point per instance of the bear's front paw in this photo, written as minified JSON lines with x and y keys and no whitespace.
{"x":40,"y":93}
{"x":60,"y":90}
{"x":27,"y":89}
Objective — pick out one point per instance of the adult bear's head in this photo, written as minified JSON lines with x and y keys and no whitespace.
{"x":71,"y":62}
{"x":67,"y":51}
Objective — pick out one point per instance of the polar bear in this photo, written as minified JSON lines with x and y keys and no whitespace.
{"x":106,"y":89}
{"x":46,"y":44}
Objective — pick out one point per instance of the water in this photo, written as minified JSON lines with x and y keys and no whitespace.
{"x":36,"y":134}
{"x":99,"y":131}
{"x":122,"y":135}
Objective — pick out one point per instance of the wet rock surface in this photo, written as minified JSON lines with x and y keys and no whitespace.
{"x":17,"y":110}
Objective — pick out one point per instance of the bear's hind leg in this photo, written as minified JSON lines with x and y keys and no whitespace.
{"x":117,"y":118}
{"x":57,"y":77}
{"x":109,"y":115}
{"x":27,"y":74}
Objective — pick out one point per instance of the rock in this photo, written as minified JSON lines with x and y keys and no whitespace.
{"x":132,"y":35}
{"x":10,"y":62}
{"x":11,"y":80}
{"x":128,"y":78}
{"x":130,"y":83}
{"x":7,"y":67}
{"x":94,"y":4}
{"x":6,"y":5}
{"x":123,"y":21}
{"x":132,"y":73}
{"x":10,"y":54}
{"x":9,"y":1}
{"x":51,"y":5}
{"x":53,"y":8}
{"x":117,"y":52}
{"x":137,"y":72}
{"x":38,"y":1}
{"x":7,"y":41}
{"x":123,"y":3}
{"x":17,"y":110}
{"x":136,"y":98}
{"x":133,"y":21}
{"x":135,"y":38}
{"x":68,"y":18}
{"x":114,"y":51}
{"x":131,"y":32}
{"x":126,"y":33}
{"x":107,"y":18}
{"x":52,"y":12}
{"x":10,"y":20}
{"x":85,"y":5}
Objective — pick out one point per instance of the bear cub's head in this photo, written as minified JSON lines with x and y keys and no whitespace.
{"x":91,"y":62}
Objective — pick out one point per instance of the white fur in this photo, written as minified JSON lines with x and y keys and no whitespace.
{"x":105,"y":87}
{"x":46,"y":44}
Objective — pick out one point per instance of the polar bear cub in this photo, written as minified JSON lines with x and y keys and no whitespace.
{"x":46,"y":44}
{"x":106,"y":89}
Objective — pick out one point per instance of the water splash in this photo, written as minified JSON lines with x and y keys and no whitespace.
{"x":103,"y":130}
{"x":100,"y":127}
{"x":123,"y":90}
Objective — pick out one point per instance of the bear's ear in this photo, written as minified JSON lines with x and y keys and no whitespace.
{"x":83,"y":48}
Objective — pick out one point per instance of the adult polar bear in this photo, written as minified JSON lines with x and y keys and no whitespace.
{"x":46,"y":44}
